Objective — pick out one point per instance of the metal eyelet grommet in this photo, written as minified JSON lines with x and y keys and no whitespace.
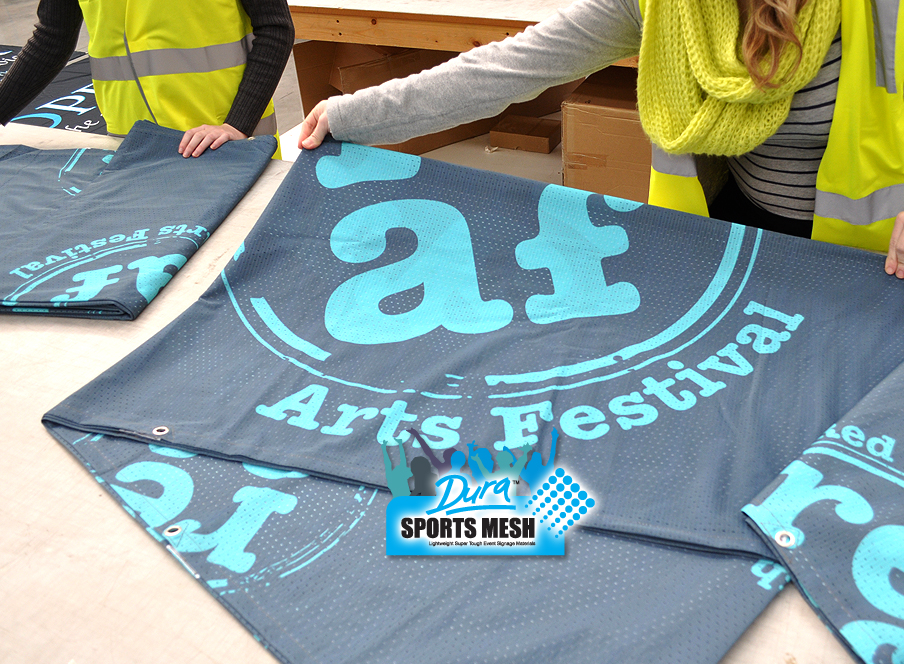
{"x":160,"y":431}
{"x":172,"y":531}
{"x":785,"y":539}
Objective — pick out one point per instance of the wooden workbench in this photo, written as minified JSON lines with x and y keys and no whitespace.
{"x":438,"y":25}
{"x":445,"y":25}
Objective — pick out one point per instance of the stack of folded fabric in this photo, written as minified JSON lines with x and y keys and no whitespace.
{"x":96,"y":234}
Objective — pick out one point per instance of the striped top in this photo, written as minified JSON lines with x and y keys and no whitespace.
{"x":780,"y":175}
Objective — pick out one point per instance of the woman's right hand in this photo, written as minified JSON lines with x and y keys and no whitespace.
{"x":314,"y":128}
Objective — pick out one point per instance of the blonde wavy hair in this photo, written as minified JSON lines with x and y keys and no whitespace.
{"x":768,"y":31}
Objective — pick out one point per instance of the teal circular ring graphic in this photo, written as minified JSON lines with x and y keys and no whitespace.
{"x":261,"y":318}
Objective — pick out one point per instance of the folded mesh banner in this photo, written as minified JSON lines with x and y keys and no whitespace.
{"x":681,"y":361}
{"x":300,"y":561}
{"x":96,"y":234}
{"x":835,"y":517}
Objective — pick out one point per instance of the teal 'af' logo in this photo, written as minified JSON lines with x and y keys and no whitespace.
{"x":400,"y":259}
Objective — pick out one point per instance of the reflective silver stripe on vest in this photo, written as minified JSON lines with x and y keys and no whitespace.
{"x":171,"y":61}
{"x":882,"y":204}
{"x":885,"y":22}
{"x":674,"y":164}
{"x":266,"y":127}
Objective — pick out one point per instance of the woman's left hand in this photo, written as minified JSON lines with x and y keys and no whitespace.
{"x":197,"y":140}
{"x":894,"y":262}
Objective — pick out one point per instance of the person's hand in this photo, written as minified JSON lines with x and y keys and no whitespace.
{"x":197,"y":140}
{"x":894,"y":263}
{"x":314,"y":128}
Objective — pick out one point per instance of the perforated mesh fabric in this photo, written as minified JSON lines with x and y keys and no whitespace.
{"x":320,"y":587}
{"x":277,"y":362}
{"x":681,"y":360}
{"x":96,"y":234}
{"x":835,"y":517}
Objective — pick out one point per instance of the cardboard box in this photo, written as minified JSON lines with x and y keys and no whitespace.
{"x":326,"y":69}
{"x":604,"y":148}
{"x":348,"y":77}
{"x":518,"y":132}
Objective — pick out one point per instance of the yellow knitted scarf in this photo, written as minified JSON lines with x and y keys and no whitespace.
{"x":694,"y":92}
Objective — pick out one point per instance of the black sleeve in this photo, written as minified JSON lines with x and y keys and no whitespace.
{"x":274,"y":36}
{"x":42,"y":58}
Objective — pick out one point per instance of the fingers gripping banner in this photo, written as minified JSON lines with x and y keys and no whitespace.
{"x":96,"y":234}
{"x":679,"y":359}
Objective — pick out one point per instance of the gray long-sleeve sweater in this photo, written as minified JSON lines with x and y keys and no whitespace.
{"x":575,"y":42}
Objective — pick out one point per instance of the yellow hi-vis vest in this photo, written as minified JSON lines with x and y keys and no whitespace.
{"x":860,"y":183}
{"x":177,"y":63}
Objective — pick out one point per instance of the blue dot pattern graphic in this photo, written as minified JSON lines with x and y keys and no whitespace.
{"x":560,"y":502}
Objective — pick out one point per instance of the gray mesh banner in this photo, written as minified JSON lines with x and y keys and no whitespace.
{"x":96,"y":234}
{"x":680,"y":360}
{"x":836,"y":518}
{"x":300,"y":561}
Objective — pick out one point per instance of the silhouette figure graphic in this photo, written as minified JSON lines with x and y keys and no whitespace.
{"x":397,"y":478}
{"x":424,"y":477}
{"x":441,"y":466}
{"x":536,"y":471}
{"x":458,"y":460}
{"x":508,"y":468}
{"x":485,"y":458}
